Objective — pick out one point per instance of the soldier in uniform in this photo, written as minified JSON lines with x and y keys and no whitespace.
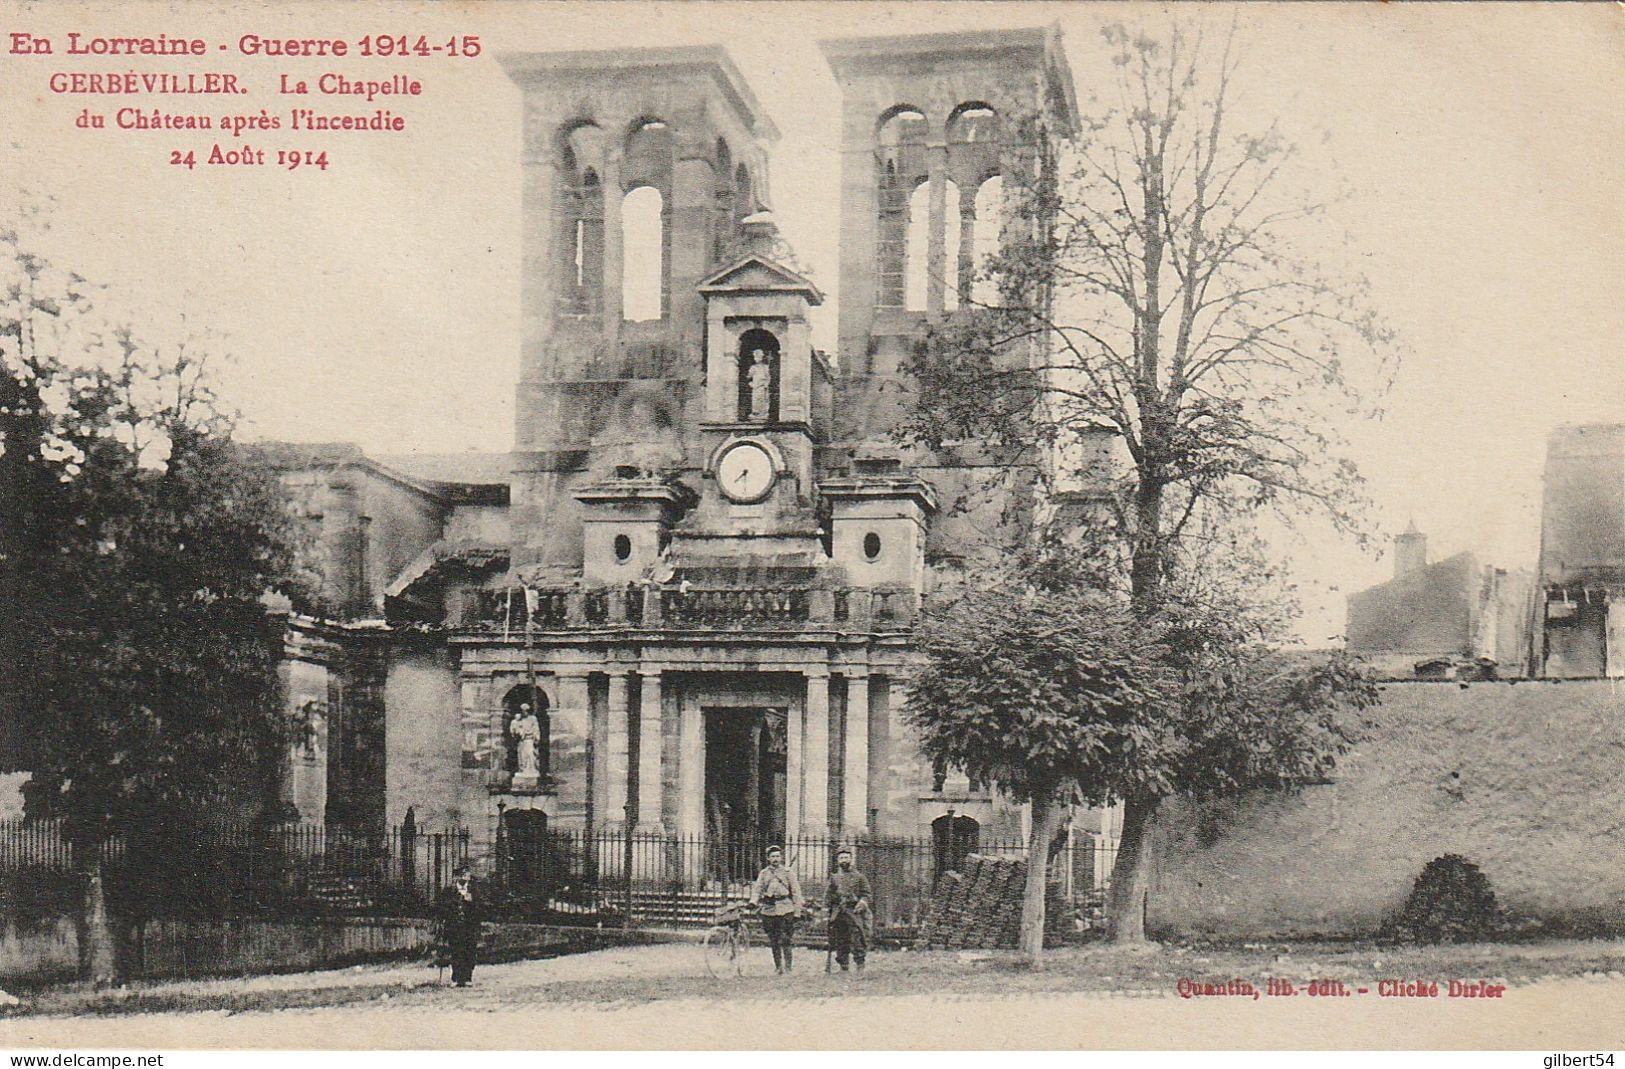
{"x":849,"y":911}
{"x":459,"y":918}
{"x":777,"y":893}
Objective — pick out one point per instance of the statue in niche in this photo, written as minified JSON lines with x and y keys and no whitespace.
{"x":526,"y":731}
{"x":760,"y":379}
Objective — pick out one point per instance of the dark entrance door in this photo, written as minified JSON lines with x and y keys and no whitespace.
{"x":524,"y":860}
{"x":953,"y":839}
{"x":745,"y":783}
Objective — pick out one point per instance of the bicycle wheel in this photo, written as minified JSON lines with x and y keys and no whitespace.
{"x":721,"y":952}
{"x":741,"y":944}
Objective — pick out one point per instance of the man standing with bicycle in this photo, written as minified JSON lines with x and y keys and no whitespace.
{"x":777,"y":894}
{"x":849,"y":911}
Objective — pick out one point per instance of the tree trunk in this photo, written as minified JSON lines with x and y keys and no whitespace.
{"x":96,"y":960}
{"x":1145,"y":569}
{"x":1047,"y":810}
{"x":1131,"y":876}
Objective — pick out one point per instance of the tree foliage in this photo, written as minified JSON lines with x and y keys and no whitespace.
{"x":1450,"y":902}
{"x":137,"y":543}
{"x":1061,"y":694}
{"x":1040,"y":692}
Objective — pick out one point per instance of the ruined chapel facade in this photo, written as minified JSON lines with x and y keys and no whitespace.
{"x":687,"y":606}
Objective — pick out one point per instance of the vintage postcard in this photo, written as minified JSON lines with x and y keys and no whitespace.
{"x":719,"y":526}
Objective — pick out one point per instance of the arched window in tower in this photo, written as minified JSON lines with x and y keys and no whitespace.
{"x":643,"y":248}
{"x":588,"y":260}
{"x":900,"y":167}
{"x":973,"y":124}
{"x":951,"y":221}
{"x":646,"y":168}
{"x":580,"y":213}
{"x":989,"y":231}
{"x":527,"y":731}
{"x":647,"y":160}
{"x":975,"y":151}
{"x":758,"y":377}
{"x":917,"y":249}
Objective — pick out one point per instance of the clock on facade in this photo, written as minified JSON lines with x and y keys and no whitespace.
{"x":745,"y":473}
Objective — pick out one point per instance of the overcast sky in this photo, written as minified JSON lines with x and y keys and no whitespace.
{"x":377,"y":302}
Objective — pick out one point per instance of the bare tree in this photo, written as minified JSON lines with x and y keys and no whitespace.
{"x":1189,"y":314}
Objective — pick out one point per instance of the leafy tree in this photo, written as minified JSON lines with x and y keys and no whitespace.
{"x":1043,"y":683}
{"x":1159,"y":299}
{"x":1046,"y":695}
{"x":137,"y":543}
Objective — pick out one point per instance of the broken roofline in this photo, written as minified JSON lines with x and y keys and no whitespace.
{"x":445,"y":492}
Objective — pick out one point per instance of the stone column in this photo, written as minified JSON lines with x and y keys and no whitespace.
{"x":792,"y":770}
{"x":690,"y":767}
{"x":619,"y":755}
{"x":572,"y":728}
{"x":612,"y":244}
{"x":936,"y":257}
{"x":650,"y":818}
{"x":855,"y":776}
{"x":815,"y":754}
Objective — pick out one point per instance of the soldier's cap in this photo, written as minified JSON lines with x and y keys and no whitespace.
{"x":774,"y":850}
{"x":843,"y":852}
{"x":460,"y":870}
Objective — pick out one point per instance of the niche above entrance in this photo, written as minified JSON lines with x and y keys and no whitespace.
{"x":759,"y":359}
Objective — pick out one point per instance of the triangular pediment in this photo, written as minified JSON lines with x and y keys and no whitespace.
{"x":758,"y":274}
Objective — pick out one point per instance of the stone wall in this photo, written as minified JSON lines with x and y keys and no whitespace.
{"x":46,"y":951}
{"x":423,"y":743}
{"x":1526,"y":779}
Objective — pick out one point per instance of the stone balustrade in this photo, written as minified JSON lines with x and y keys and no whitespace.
{"x":679,"y":607}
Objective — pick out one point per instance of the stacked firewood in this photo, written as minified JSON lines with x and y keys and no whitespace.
{"x":979,"y":908}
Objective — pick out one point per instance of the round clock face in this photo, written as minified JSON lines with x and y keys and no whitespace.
{"x":745,"y":472}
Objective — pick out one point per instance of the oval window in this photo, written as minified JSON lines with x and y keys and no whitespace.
{"x":623,"y":548}
{"x":871,"y":545}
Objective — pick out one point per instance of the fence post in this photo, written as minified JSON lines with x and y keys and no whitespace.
{"x":626,"y":866}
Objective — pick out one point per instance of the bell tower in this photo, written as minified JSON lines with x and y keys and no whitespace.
{"x":939,"y":133}
{"x":936,"y":132}
{"x":639,"y":166}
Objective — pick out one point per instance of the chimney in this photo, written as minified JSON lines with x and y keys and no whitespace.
{"x":1410,"y":551}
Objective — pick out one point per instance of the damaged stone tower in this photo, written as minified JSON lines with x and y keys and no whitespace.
{"x":639,"y":166}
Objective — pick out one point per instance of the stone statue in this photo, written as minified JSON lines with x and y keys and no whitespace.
{"x":527,"y":732}
{"x":760,"y":378}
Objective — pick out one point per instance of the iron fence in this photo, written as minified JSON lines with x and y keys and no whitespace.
{"x":571,"y":876}
{"x":676,"y":880}
{"x":218,"y":872}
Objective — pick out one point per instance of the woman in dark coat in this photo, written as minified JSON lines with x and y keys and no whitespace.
{"x":459,"y":917}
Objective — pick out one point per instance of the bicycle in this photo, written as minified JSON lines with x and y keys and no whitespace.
{"x":726,"y":942}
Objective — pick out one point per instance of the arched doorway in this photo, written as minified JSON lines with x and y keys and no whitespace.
{"x":745,"y":786}
{"x":952,"y":840}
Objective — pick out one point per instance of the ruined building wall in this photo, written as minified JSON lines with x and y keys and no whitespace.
{"x":594,"y":384}
{"x":928,"y":123}
{"x":1581,"y":586}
